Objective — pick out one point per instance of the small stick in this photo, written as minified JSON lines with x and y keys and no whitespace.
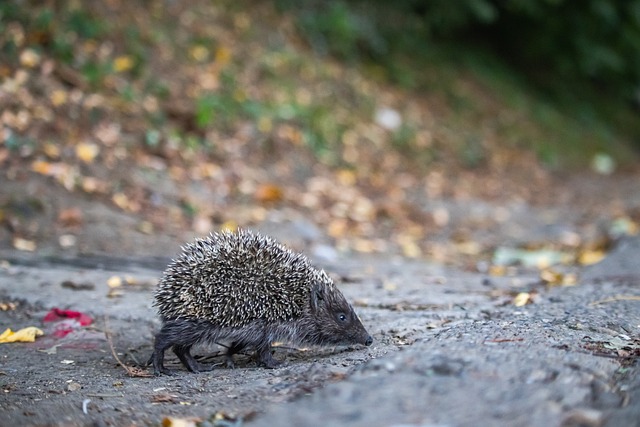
{"x":131,"y":371}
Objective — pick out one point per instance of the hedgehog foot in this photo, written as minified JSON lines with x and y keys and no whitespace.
{"x":184,"y":354}
{"x":234,"y":348}
{"x":265,"y":358}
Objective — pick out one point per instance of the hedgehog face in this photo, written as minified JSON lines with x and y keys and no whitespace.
{"x":334,"y":319}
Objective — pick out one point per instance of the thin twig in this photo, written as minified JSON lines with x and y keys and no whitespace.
{"x":131,"y":371}
{"x":617,"y":298}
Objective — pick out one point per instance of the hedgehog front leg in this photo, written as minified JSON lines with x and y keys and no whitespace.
{"x":162,"y":343}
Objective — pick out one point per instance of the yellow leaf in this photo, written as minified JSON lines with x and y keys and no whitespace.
{"x":589,"y":257}
{"x":58,"y":97}
{"x":29,"y":58}
{"x":87,"y":151}
{"x":28,"y":334}
{"x":346,"y":177}
{"x":114,"y":281}
{"x":523,"y":298}
{"x":552,"y":277}
{"x":199,"y":53}
{"x":498,"y":270}
{"x":265,"y":124}
{"x":121,"y":200}
{"x":229,"y":225}
{"x":223,"y":55}
{"x":122,"y":63}
{"x":51,"y":150}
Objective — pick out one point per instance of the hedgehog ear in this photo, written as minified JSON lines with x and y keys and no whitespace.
{"x":317,"y":296}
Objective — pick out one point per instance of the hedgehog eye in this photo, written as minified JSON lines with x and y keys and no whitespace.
{"x":342,"y":317}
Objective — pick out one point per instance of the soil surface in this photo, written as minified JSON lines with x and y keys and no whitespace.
{"x":451,"y":348}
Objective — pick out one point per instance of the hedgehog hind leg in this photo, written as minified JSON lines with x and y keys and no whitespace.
{"x":234,"y":348}
{"x":184,"y":354}
{"x":265,"y":358}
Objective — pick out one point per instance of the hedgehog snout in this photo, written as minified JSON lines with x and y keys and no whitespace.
{"x":368,"y":341}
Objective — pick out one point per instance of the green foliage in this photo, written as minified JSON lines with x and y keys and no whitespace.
{"x":592,"y":41}
{"x":582,"y":56}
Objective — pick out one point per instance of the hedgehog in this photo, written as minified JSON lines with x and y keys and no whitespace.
{"x":245,"y":290}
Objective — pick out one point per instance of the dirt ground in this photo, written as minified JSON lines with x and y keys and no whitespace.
{"x":443,"y":336}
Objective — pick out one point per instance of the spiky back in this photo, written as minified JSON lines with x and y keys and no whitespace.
{"x":232,"y":279}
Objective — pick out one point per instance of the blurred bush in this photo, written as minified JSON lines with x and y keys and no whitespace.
{"x":553,"y":42}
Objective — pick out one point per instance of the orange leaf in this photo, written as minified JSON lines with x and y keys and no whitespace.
{"x":70,"y":217}
{"x":41,"y":167}
{"x":268,"y":193}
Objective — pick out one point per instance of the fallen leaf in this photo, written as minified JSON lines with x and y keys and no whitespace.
{"x":56,"y":314}
{"x":268,"y":193}
{"x":87,"y":151}
{"x":27,"y":334}
{"x":114,"y":281}
{"x":522,"y":299}
{"x":229,"y":225}
{"x":58,"y":97}
{"x":42,"y":167}
{"x":24,"y":244}
{"x":29,"y":58}
{"x":199,"y":52}
{"x":70,"y":217}
{"x":122,"y":63}
{"x":73,"y":386}
{"x":588,"y":257}
{"x":164,"y":398}
{"x":178,"y":422}
{"x":8,"y":306}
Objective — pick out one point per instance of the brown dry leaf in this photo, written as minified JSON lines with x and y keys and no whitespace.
{"x":164,"y":398}
{"x":8,"y":306}
{"x":125,"y":203}
{"x":51,"y":150}
{"x":268,"y":193}
{"x":70,"y":217}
